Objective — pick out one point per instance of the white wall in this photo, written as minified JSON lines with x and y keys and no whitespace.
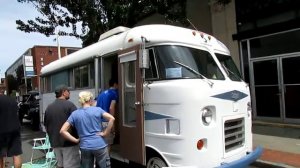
{"x":224,"y":26}
{"x":198,"y":12}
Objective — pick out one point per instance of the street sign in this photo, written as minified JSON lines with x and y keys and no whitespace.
{"x":28,"y":66}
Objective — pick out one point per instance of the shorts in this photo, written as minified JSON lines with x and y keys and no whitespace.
{"x":67,"y":157}
{"x":10,"y":144}
{"x":109,"y":139}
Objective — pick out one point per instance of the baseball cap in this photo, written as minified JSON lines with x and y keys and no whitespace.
{"x":60,"y":88}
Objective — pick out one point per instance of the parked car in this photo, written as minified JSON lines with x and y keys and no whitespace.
{"x":29,"y":108}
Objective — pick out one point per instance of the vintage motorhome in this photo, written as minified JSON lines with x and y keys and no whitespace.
{"x":182,"y":100}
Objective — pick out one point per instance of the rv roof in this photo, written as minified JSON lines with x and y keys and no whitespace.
{"x":114,"y":31}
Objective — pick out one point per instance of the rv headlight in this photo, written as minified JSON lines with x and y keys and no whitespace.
{"x":207,"y":116}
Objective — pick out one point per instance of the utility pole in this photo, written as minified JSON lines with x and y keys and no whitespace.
{"x":25,"y":76}
{"x":58,"y":46}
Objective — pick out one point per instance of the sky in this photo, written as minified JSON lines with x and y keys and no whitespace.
{"x":14,"y":42}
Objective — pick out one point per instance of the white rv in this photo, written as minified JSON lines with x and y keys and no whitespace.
{"x":182,"y":100}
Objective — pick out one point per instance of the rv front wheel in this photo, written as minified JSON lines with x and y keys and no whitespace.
{"x":156,"y":162}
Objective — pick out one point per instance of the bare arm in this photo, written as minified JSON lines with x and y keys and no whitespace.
{"x":112,"y":107}
{"x":64,"y":132}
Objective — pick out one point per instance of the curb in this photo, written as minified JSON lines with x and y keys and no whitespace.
{"x":262,"y":163}
{"x":279,"y":158}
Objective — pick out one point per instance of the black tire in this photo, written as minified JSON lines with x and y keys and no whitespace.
{"x":155,"y":162}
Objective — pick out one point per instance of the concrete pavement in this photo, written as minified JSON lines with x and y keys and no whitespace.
{"x":27,"y":136}
{"x":281,"y":143}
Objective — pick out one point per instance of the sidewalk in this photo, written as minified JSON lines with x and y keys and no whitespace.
{"x":281,"y":143}
{"x":27,"y":136}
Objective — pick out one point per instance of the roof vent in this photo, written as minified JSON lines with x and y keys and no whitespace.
{"x":112,"y":32}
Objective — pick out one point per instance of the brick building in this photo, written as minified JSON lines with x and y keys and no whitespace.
{"x":16,"y":74}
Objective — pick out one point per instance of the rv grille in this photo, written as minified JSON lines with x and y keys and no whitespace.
{"x":234,"y":134}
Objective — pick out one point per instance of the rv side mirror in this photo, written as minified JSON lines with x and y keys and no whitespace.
{"x":144,"y":58}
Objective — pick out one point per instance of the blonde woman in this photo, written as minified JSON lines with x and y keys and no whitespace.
{"x":87,"y":121}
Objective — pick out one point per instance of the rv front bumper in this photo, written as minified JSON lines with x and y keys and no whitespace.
{"x":245,"y":161}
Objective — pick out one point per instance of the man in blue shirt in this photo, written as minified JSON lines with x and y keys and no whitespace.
{"x":107,"y":100}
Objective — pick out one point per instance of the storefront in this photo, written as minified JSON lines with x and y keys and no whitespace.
{"x":270,"y":58}
{"x":272,"y":66}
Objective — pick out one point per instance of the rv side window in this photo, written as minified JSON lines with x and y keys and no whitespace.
{"x":47,"y":84}
{"x":151,"y":73}
{"x":92,"y":75}
{"x":130,"y":74}
{"x":81,"y":74}
{"x":60,"y":78}
{"x":84,"y":76}
{"x":229,"y":67}
{"x":129,"y":94}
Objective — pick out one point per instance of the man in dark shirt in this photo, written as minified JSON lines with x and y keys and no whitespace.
{"x":10,"y":132}
{"x":56,"y":114}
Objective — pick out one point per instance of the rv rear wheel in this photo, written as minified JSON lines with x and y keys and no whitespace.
{"x":156,"y":162}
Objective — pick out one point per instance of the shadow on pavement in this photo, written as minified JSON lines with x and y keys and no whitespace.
{"x":265,"y":165}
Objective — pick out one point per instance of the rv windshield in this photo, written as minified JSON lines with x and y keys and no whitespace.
{"x":175,"y":62}
{"x":229,"y":67}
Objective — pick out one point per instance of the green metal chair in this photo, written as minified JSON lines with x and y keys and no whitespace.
{"x":41,"y":144}
{"x":48,"y":161}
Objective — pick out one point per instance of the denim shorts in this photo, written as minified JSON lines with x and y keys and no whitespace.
{"x":101,"y":156}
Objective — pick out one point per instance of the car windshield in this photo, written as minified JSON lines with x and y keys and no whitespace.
{"x":229,"y":67}
{"x":176,"y":62}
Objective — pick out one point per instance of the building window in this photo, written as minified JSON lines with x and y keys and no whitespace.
{"x":275,"y":44}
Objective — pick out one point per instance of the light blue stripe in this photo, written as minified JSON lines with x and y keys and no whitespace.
{"x":245,"y":161}
{"x":233,"y":95}
{"x":154,"y":116}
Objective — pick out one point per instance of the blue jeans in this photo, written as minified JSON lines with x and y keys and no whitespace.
{"x":101,"y":156}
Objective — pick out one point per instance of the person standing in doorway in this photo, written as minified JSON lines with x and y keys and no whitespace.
{"x":56,"y":114}
{"x":86,"y":121}
{"x":107,"y":100}
{"x":10,"y":132}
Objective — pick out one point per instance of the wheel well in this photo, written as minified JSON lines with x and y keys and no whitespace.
{"x":152,"y":152}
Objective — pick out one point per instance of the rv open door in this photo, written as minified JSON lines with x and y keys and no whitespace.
{"x":131,"y":106}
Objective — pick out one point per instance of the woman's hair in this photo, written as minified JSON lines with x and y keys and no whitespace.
{"x":85,"y":96}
